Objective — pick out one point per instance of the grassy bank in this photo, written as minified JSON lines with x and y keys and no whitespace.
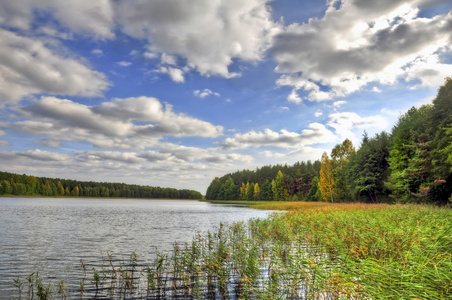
{"x":315,"y":251}
{"x":255,"y":204}
{"x":383,"y":251}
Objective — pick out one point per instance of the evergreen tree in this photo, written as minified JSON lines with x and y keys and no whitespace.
{"x":250,"y":192}
{"x":340,"y":158}
{"x":279,"y":190}
{"x":410,"y":160}
{"x":266,"y":191}
{"x":314,"y":193}
{"x":212,"y":190}
{"x":231,"y":191}
{"x":369,"y":169}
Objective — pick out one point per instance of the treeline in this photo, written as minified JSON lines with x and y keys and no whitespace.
{"x":412,"y":164}
{"x":23,"y":185}
{"x":277,"y":182}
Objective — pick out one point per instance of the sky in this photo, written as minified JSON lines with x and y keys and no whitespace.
{"x":173,"y":93}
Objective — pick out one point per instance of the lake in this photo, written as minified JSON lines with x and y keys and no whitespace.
{"x":52,"y":235}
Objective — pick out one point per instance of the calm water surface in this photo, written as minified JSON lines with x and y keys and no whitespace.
{"x":52,"y":235}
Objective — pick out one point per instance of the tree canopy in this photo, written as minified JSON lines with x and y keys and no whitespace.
{"x":23,"y":185}
{"x":411,"y":164}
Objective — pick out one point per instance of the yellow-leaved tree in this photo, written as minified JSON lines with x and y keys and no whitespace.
{"x":326,"y":182}
{"x":256,"y":191}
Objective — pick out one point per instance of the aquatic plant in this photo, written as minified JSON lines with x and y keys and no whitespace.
{"x":313,"y":251}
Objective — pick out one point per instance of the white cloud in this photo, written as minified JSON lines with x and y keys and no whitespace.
{"x":318,"y":113}
{"x":111,"y":124}
{"x":211,"y":155}
{"x":168,"y":59}
{"x":101,"y":156}
{"x":359,"y":43}
{"x":3,"y":142}
{"x":376,"y":89}
{"x":339,"y":103}
{"x":293,"y":96}
{"x":345,"y":122}
{"x":303,"y":153}
{"x":52,"y":32}
{"x":97,"y":52}
{"x":28,"y":66}
{"x":315,"y":134}
{"x":35,"y":155}
{"x":124,"y":63}
{"x":177,"y":75}
{"x":150,"y":55}
{"x":81,"y":16}
{"x":204,"y":93}
{"x":208,"y":34}
{"x":155,"y":168}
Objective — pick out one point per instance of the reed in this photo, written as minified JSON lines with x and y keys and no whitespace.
{"x":313,"y":251}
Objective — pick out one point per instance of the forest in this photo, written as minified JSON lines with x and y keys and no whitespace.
{"x":411,"y":164}
{"x":23,"y":185}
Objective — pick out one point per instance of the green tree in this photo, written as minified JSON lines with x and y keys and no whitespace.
{"x":410,"y":157}
{"x":340,"y":158}
{"x":266,"y":191}
{"x":7,"y":190}
{"x":212,"y":190}
{"x":279,"y":190}
{"x":231,"y":191}
{"x":314,"y":193}
{"x":250,"y":192}
{"x":369,"y":169}
{"x":442,"y":144}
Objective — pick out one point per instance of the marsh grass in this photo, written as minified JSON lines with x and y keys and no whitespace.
{"x":314,"y":251}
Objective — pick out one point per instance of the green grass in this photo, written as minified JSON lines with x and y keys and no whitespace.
{"x":244,"y":202}
{"x":314,"y":251}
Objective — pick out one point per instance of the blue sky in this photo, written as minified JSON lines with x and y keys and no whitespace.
{"x":173,"y":93}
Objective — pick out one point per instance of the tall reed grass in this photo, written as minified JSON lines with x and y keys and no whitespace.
{"x":314,"y":251}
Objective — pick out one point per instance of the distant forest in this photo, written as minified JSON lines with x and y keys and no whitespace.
{"x":412,"y":164}
{"x":23,"y":185}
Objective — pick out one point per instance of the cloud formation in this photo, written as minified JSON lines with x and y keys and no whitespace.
{"x":131,"y":123}
{"x":204,"y":93}
{"x":208,"y":34}
{"x":357,"y":43}
{"x":317,"y":133}
{"x":94,"y":18}
{"x":345,"y":122}
{"x":160,"y":168}
{"x":28,"y":66}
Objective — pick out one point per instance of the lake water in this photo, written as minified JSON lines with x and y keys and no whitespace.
{"x":51,"y":236}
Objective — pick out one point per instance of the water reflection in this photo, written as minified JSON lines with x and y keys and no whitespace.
{"x":52,"y":235}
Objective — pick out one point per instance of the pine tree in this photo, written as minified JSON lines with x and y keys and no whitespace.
{"x":250,"y":192}
{"x":266,"y":191}
{"x":314,"y":193}
{"x":340,"y":158}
